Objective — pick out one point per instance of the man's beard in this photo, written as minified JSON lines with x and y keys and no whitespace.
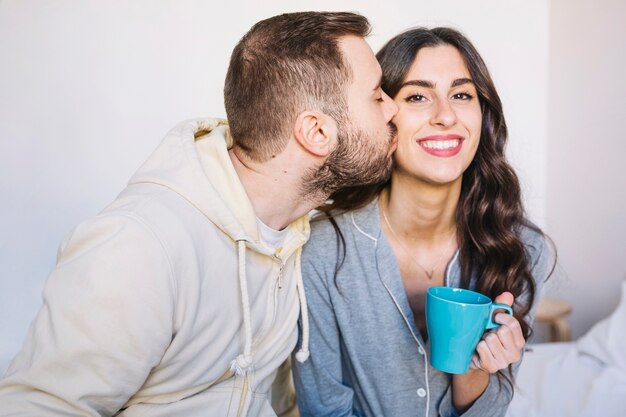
{"x":357,"y":160}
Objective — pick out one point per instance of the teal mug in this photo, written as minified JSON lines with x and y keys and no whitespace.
{"x":456,"y":320}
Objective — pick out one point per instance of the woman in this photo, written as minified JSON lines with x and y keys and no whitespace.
{"x":451,"y":214}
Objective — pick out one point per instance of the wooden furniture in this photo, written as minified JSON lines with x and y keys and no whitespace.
{"x":553,"y":311}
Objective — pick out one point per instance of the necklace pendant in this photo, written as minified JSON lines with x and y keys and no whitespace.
{"x":408,"y":253}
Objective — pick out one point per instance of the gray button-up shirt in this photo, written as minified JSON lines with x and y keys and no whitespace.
{"x":367,"y":355}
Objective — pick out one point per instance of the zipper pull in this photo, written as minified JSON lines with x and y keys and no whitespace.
{"x":280,"y":276}
{"x":282,"y":265}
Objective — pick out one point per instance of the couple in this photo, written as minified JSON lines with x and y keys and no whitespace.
{"x":182,"y":297}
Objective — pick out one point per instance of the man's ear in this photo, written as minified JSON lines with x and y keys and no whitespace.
{"x":316,"y":132}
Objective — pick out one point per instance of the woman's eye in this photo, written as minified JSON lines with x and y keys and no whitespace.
{"x":416,"y":98}
{"x":462,"y":96}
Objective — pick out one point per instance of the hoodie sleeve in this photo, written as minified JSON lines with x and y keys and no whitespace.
{"x":319,"y":387}
{"x":495,"y":401}
{"x":105,"y":322}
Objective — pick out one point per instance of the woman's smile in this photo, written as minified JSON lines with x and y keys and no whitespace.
{"x":443,"y":146}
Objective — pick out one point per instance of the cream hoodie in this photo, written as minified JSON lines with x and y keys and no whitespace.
{"x":166,"y":303}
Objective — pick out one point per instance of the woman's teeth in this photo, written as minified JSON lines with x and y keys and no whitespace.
{"x":441,"y":144}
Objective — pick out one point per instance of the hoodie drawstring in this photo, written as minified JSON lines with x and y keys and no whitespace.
{"x":241,"y":364}
{"x":302,"y":354}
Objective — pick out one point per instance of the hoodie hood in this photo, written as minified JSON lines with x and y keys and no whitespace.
{"x":193,"y":161}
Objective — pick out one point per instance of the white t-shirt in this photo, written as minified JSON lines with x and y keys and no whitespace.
{"x":272,"y":237}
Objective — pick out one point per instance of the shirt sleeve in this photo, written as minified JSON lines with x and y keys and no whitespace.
{"x":495,"y":401}
{"x":106,"y":319}
{"x":319,"y":386}
{"x":492,"y":403}
{"x":542,"y":259}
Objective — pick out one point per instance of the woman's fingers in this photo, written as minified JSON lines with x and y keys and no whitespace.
{"x":503,"y":346}
{"x":505,"y":298}
{"x":510,"y":332}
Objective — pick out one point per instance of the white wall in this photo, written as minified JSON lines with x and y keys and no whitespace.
{"x":586,"y":199}
{"x":88,"y":89}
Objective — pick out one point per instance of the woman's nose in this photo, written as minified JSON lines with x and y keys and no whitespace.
{"x":443,"y":113}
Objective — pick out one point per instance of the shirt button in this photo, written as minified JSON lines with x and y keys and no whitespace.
{"x":421,"y":392}
{"x":420,"y":350}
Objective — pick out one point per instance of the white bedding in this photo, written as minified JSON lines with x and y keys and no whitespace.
{"x":585,"y":378}
{"x":4,"y":364}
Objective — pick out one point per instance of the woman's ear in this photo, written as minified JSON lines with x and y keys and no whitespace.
{"x":316,"y":132}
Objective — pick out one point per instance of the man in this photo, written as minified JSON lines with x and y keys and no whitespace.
{"x":182,"y":297}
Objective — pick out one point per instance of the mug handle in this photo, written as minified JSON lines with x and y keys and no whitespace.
{"x":494,"y":307}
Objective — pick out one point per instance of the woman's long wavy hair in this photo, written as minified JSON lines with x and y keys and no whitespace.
{"x":490,"y":214}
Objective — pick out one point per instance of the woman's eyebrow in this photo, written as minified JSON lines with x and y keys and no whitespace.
{"x":461,"y":81}
{"x":430,"y":84}
{"x":419,"y":83}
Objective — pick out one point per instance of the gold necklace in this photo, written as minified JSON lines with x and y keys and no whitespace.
{"x":430,"y":273}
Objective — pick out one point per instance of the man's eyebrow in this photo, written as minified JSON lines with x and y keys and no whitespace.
{"x":380,"y":82}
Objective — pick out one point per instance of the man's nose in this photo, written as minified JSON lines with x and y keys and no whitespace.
{"x":391,"y":108}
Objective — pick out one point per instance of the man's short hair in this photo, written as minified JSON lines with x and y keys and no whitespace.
{"x":284,"y":65}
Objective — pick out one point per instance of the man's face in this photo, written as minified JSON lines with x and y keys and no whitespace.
{"x":365,"y":139}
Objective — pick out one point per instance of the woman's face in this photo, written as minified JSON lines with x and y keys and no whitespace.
{"x":439,"y":117}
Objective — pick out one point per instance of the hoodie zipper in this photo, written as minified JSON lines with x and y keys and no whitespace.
{"x":280,"y":272}
{"x":277,"y":286}
{"x":272,"y":303}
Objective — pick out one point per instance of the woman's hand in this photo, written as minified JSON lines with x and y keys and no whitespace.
{"x":497,"y":350}
{"x":501,"y":347}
